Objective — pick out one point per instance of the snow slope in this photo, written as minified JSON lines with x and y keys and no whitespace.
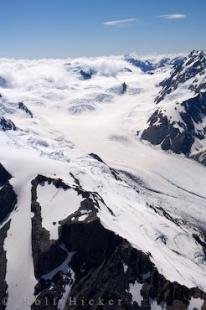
{"x":56,"y":142}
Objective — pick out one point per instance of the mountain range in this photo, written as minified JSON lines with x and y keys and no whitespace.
{"x":102,"y":183}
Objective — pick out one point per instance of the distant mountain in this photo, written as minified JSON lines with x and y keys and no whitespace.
{"x":189,"y":73}
{"x":176,"y":124}
{"x":148,"y":66}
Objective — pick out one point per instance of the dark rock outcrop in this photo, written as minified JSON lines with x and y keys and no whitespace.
{"x":24,"y":108}
{"x":119,"y":89}
{"x":124,"y":88}
{"x":87,"y":73}
{"x":96,"y":157}
{"x":3,"y":264}
{"x":114,"y":172}
{"x":5,"y":176}
{"x":178,"y":136}
{"x":105,"y":265}
{"x":8,"y":200}
{"x":6,"y":124}
{"x":47,"y":254}
{"x":50,"y":254}
{"x":8,"y":197}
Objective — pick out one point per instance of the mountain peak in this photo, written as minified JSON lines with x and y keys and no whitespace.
{"x":196,"y":58}
{"x":190,"y":74}
{"x":197,"y":53}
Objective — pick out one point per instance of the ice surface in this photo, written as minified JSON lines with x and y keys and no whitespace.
{"x":56,"y":142}
{"x":56,"y":204}
{"x":135,"y":290}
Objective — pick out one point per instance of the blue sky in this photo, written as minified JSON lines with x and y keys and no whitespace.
{"x":61,"y":28}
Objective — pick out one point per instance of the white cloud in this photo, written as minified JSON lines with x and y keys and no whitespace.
{"x":119,"y":22}
{"x":173,"y":16}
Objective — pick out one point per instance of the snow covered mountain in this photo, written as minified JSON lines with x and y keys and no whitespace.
{"x":152,"y":64}
{"x":179,"y":121}
{"x":188,"y":74}
{"x":90,"y":216}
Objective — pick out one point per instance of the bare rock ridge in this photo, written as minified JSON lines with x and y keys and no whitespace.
{"x":3,"y":263}
{"x":6,"y":124}
{"x":24,"y":108}
{"x":102,"y":267}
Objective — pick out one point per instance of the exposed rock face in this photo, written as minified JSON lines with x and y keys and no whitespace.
{"x":50,"y":254}
{"x":3,"y":264}
{"x":96,"y":157}
{"x":47,"y":254}
{"x":124,"y":88}
{"x":5,"y":176}
{"x":119,"y":89}
{"x":178,"y":136}
{"x":192,"y":68}
{"x":24,"y":108}
{"x":105,"y":271}
{"x":8,"y":198}
{"x":113,"y":171}
{"x":200,"y":157}
{"x":8,"y":201}
{"x":87,"y":73}
{"x":106,"y":266}
{"x":6,"y":124}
